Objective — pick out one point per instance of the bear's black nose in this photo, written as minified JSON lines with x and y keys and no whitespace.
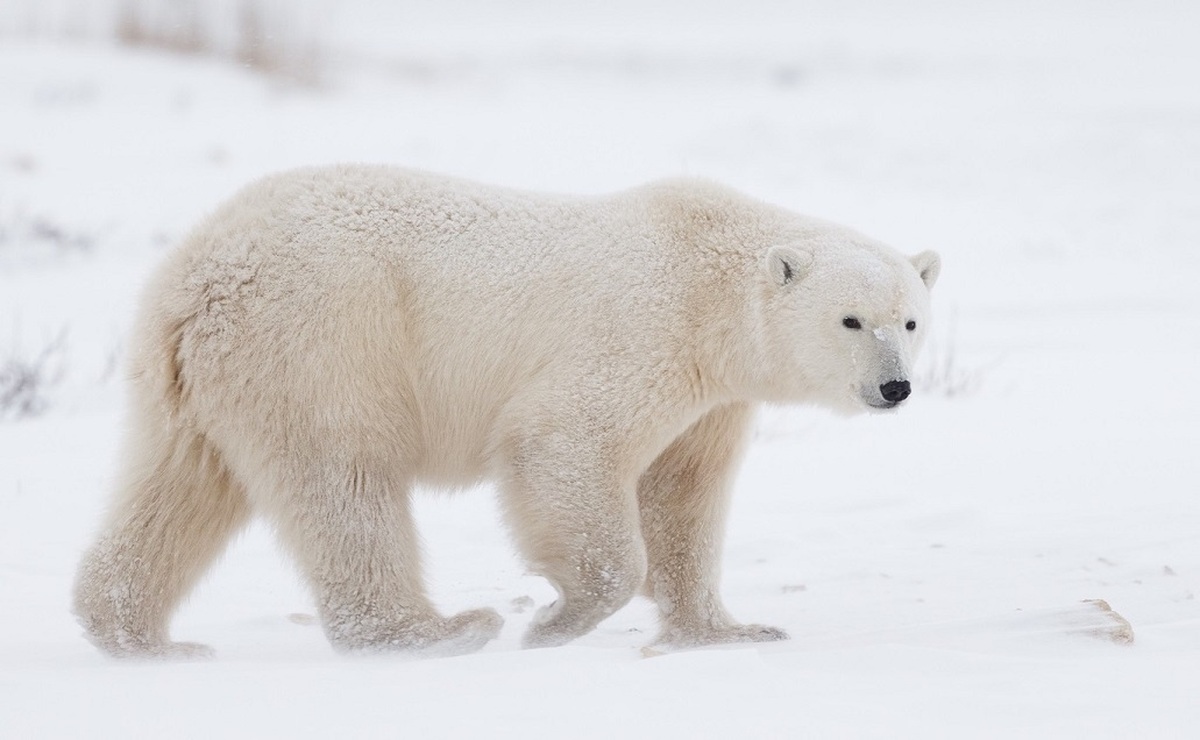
{"x":895,"y":391}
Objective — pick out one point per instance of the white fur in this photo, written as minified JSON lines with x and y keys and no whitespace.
{"x":331,"y":337}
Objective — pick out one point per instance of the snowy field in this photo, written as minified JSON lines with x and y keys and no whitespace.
{"x":931,"y":565}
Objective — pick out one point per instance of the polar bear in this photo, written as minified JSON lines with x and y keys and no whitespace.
{"x":331,"y":337}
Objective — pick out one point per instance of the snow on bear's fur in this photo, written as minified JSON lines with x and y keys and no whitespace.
{"x":330,"y":338}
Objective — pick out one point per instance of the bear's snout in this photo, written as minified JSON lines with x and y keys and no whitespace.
{"x":895,"y":391}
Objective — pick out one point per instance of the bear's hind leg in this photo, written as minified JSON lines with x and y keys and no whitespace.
{"x":683,"y":499}
{"x":354,"y":538}
{"x":175,"y":512}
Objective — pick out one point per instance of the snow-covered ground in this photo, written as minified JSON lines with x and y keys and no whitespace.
{"x":930,"y":565}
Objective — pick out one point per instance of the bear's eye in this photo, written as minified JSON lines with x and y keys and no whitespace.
{"x":851,"y":323}
{"x":911,"y":326}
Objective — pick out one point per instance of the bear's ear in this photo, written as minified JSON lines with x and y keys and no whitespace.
{"x":928,"y":265}
{"x":787,"y":264}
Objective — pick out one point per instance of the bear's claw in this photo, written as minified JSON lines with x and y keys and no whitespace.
{"x":678,"y":638}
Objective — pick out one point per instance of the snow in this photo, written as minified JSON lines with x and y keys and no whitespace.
{"x":930,"y":565}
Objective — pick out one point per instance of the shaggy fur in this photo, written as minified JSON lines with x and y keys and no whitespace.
{"x":331,"y":337}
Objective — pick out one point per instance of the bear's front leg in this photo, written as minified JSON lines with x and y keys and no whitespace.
{"x":683,"y":498}
{"x":575,"y":522}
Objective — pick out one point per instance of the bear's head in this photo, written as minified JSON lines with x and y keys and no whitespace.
{"x":846,"y":321}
